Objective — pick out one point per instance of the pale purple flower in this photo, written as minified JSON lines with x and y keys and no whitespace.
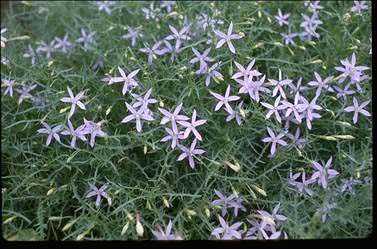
{"x":206,"y":21}
{"x":9,"y":84}
{"x":201,"y":58}
{"x":224,"y":100}
{"x":225,"y":202}
{"x":237,"y":204}
{"x":152,"y":52}
{"x":307,"y":110}
{"x":294,"y":108}
{"x":167,"y":5}
{"x":78,"y":133}
{"x":319,"y":83}
{"x":298,"y":88}
{"x":63,"y":44}
{"x":314,"y":6}
{"x":310,"y":25}
{"x":128,"y":81}
{"x":350,"y":69}
{"x":359,"y":6}
{"x":24,"y":92}
{"x":235,"y":114}
{"x":133,"y":34}
{"x":191,"y":127}
{"x":52,"y":132}
{"x":94,"y":129}
{"x":257,"y":230}
{"x":245,"y":73}
{"x":228,"y":232}
{"x":211,"y":73}
{"x":169,"y":49}
{"x":173,"y":117}
{"x":348,"y":184}
{"x":279,"y":84}
{"x":3,"y":38}
{"x":227,"y":38}
{"x":86,"y":39}
{"x":282,"y":19}
{"x":48,"y":49}
{"x":325,"y":210}
{"x":30,"y":54}
{"x":288,"y":37}
{"x":105,"y":6}
{"x":323,"y":173}
{"x":274,"y":140}
{"x":173,"y":136}
{"x":253,"y":87}
{"x":151,"y":12}
{"x":74,"y":100}
{"x":276,"y":216}
{"x":137,"y":116}
{"x":274,"y":109}
{"x":288,"y":120}
{"x":189,"y":153}
{"x":99,"y":193}
{"x":343,"y":92}
{"x":356,"y":108}
{"x":178,"y":36}
{"x":302,"y":186}
{"x":144,"y":101}
{"x":296,"y":139}
{"x":164,"y":235}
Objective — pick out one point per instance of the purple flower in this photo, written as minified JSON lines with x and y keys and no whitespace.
{"x":137,"y":116}
{"x":310,"y":25}
{"x":307,"y":110}
{"x":279,"y":85}
{"x":235,"y":114}
{"x":94,"y":129}
{"x":227,"y":38}
{"x":302,"y":186}
{"x":253,"y":87}
{"x":191,"y":127}
{"x":48,"y":49}
{"x":350,"y":69}
{"x":323,"y":173}
{"x":288,"y":37}
{"x":133,"y":35}
{"x":152,"y":52}
{"x":246,"y":73}
{"x":343,"y":92}
{"x":296,"y":140}
{"x":359,"y":6}
{"x":201,"y":58}
{"x":178,"y":36}
{"x":94,"y":191}
{"x":167,"y":5}
{"x":151,"y":12}
{"x":257,"y":230}
{"x":319,"y":83}
{"x":128,"y":80}
{"x":347,"y":185}
{"x":189,"y":153}
{"x":173,"y":117}
{"x":294,"y":108}
{"x":224,"y":202}
{"x":164,"y":235}
{"x":144,"y":101}
{"x":228,"y":232}
{"x":52,"y":132}
{"x":211,"y":73}
{"x":75,"y":100}
{"x":86,"y":39}
{"x":104,"y":6}
{"x":356,"y":108}
{"x":325,"y":210}
{"x":78,"y":133}
{"x":274,"y":109}
{"x":274,"y":140}
{"x":314,"y":6}
{"x":63,"y":44}
{"x":237,"y":204}
{"x":9,"y":84}
{"x":225,"y":100}
{"x":30,"y":54}
{"x":24,"y":92}
{"x":174,"y":51}
{"x":173,"y":136}
{"x":282,"y":19}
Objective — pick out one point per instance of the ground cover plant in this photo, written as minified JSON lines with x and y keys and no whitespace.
{"x":186,"y":120}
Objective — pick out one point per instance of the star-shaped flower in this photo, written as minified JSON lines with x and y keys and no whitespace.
{"x":191,"y":127}
{"x":128,"y":80}
{"x":48,"y":49}
{"x":356,"y":108}
{"x":342,"y":93}
{"x":294,"y":108}
{"x":211,"y":73}
{"x":227,"y":38}
{"x":105,"y":6}
{"x":75,"y":100}
{"x":274,"y":109}
{"x":302,"y":186}
{"x":173,"y":117}
{"x":288,"y":37}
{"x":133,"y":34}
{"x":236,"y":114}
{"x":223,"y":201}
{"x":279,"y":84}
{"x":78,"y":133}
{"x":282,"y":19}
{"x":9,"y":84}
{"x":164,"y":235}
{"x":201,"y":58}
{"x":253,"y":87}
{"x":274,"y":140}
{"x":94,"y":129}
{"x":348,"y":185}
{"x":30,"y":54}
{"x":86,"y":39}
{"x":228,"y":232}
{"x":307,"y":110}
{"x":63,"y":44}
{"x":224,"y":100}
{"x":178,"y":36}
{"x":295,"y":139}
{"x":144,"y":101}
{"x":25,"y":92}
{"x":245,"y":73}
{"x":323,"y":173}
{"x":173,"y":136}
{"x":350,"y":69}
{"x":319,"y":83}
{"x":137,"y":116}
{"x":100,"y":193}
{"x":152,"y":52}
{"x":359,"y":6}
{"x":52,"y":132}
{"x":189,"y":153}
